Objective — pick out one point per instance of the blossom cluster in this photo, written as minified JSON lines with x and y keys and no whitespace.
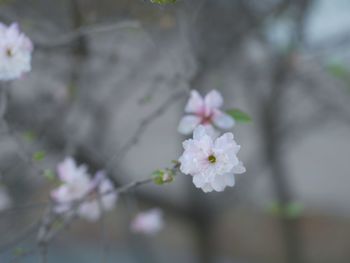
{"x":15,"y":52}
{"x":211,"y":160}
{"x":91,"y":195}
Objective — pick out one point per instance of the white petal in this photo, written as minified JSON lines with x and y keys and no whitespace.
{"x":109,"y":196}
{"x":223,"y":120}
{"x":218,"y":183}
{"x":200,"y":132}
{"x":207,"y":188}
{"x":195,"y":103}
{"x":239,"y":168}
{"x":90,"y":211}
{"x":188,"y":123}
{"x":198,"y":180}
{"x":229,"y":179}
{"x":213,"y":99}
{"x":211,"y":131}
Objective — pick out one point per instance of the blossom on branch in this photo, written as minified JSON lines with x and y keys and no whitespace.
{"x":212,"y":162}
{"x":149,"y":222}
{"x":15,"y":52}
{"x":206,"y":112}
{"x":92,"y":195}
{"x":101,"y":198}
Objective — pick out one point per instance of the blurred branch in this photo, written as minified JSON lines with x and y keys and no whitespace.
{"x":73,"y":36}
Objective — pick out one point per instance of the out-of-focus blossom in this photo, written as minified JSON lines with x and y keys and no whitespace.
{"x":96,"y":195}
{"x":15,"y":52}
{"x":101,"y":198}
{"x":205,"y":112}
{"x":149,"y":222}
{"x":5,"y":199}
{"x":212,"y":162}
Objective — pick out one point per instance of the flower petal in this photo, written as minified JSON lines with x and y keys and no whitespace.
{"x":198,"y":180}
{"x":188,"y":123}
{"x":219,"y":183}
{"x":195,"y":104}
{"x":223,"y":120}
{"x":90,"y":211}
{"x":213,"y":99}
{"x":239,"y":168}
{"x":229,"y":179}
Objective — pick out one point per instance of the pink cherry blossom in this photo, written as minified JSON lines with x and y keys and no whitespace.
{"x":211,"y":162}
{"x":96,"y":195}
{"x":149,"y":222}
{"x":205,"y":112}
{"x":15,"y":52}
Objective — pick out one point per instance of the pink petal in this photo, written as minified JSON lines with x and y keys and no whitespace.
{"x":213,"y":99}
{"x":195,"y":103}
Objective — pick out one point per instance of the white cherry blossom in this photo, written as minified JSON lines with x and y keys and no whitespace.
{"x":149,"y":222}
{"x":211,"y":162}
{"x":101,"y":198}
{"x":15,"y":52}
{"x":205,"y":111}
{"x":96,"y":195}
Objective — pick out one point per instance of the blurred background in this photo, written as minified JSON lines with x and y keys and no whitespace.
{"x":110,"y":82}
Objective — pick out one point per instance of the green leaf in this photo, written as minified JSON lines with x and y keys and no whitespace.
{"x":161,"y":177}
{"x":158,"y":177}
{"x":338,"y":71}
{"x":275,"y":209}
{"x":39,"y":156}
{"x":294,"y":210}
{"x":18,"y":251}
{"x":290,"y":211}
{"x":239,"y":116}
{"x":49,"y":174}
{"x":163,"y":2}
{"x":29,"y":136}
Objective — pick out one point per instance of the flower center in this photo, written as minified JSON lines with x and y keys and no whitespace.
{"x":206,"y":119}
{"x":9,"y":52}
{"x":212,"y":159}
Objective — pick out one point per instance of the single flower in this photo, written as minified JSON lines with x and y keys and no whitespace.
{"x":211,"y":162}
{"x":205,"y":111}
{"x":15,"y":52}
{"x":96,"y":195}
{"x":149,"y":222}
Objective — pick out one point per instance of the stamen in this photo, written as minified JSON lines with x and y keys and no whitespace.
{"x":9,"y":52}
{"x":212,"y":159}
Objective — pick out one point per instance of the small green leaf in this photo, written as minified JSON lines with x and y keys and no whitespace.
{"x":163,"y":2}
{"x":338,"y":70}
{"x":49,"y":174}
{"x":18,"y":251}
{"x":239,"y":116}
{"x":290,"y":211}
{"x":39,"y":156}
{"x":294,"y":210}
{"x":158,"y":177}
{"x":29,"y":136}
{"x":274,"y":209}
{"x":161,"y":177}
